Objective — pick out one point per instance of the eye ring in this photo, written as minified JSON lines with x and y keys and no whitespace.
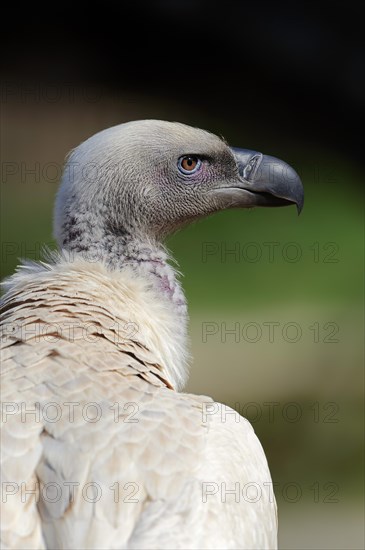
{"x":189,"y":164}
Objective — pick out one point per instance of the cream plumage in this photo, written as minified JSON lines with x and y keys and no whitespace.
{"x":100,"y":448}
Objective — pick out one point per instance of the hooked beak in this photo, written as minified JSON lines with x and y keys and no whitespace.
{"x":264,"y":181}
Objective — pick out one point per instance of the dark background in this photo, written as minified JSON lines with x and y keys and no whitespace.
{"x":284,"y":78}
{"x":288,"y":68}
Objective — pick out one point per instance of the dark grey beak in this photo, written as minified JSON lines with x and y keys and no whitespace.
{"x":266,"y":181}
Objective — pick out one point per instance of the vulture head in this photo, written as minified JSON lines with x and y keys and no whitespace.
{"x":148,"y":178}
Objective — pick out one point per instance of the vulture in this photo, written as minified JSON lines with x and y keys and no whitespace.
{"x":101,"y":448}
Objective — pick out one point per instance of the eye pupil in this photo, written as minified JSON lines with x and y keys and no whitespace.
{"x":189,"y":163}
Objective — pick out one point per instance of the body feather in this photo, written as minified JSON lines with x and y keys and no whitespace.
{"x":99,"y":449}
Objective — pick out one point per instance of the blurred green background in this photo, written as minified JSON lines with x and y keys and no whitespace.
{"x":302,"y":385}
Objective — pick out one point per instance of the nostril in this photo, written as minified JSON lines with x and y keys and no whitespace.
{"x":251,"y":167}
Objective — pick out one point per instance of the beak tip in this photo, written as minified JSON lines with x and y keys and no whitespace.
{"x":300,"y":197}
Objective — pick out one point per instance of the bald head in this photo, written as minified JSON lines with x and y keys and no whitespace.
{"x":148,"y":178}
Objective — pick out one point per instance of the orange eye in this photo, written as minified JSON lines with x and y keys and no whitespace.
{"x":189,"y":164}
